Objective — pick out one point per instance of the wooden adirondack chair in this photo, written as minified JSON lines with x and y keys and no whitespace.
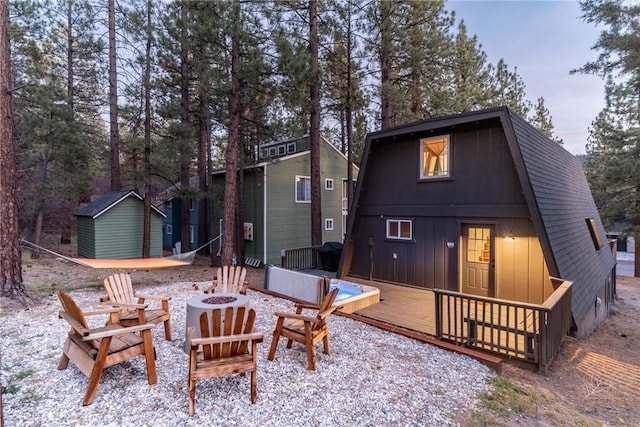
{"x":225,"y":349}
{"x":229,"y":279}
{"x":92,"y":350}
{"x":308,"y":330}
{"x":120,"y":293}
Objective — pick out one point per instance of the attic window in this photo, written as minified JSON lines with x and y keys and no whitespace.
{"x":291,"y":147}
{"x":593,"y":230}
{"x":281,"y":150}
{"x":434,"y":157}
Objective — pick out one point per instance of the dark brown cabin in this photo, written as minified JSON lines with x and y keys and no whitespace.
{"x":479,"y":203}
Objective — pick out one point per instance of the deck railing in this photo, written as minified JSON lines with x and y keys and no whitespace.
{"x":530,"y":332}
{"x":301,"y":258}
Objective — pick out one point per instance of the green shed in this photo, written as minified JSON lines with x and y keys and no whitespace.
{"x":112,"y":227}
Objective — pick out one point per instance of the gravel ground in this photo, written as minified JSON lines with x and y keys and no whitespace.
{"x":371,"y":378}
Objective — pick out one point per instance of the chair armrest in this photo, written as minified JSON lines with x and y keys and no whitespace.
{"x":254,"y":336}
{"x":307,"y":305}
{"x":118,"y":331}
{"x":74,"y":323}
{"x":101,"y":311}
{"x":120,"y":305}
{"x":153,"y":297}
{"x":296,"y":316}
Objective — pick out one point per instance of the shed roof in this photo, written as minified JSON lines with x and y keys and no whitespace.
{"x":557,"y":194}
{"x":108,"y":201}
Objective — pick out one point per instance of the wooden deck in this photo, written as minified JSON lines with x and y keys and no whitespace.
{"x":402,"y":306}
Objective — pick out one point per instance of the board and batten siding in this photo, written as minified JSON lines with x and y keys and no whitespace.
{"x":484,"y":189}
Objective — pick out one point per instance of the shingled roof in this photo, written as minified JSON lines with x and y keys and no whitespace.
{"x":106,"y":202}
{"x":560,"y":201}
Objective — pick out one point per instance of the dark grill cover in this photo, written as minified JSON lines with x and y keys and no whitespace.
{"x":330,"y":255}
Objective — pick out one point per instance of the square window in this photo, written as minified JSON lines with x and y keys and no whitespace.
{"x":434,"y":157}
{"x":291,"y":147}
{"x":328,"y":184}
{"x":401,"y":229}
{"x":281,"y":150}
{"x":303,"y":189}
{"x":272,"y":151}
{"x":328,"y":224}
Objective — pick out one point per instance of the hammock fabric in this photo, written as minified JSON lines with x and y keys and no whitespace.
{"x":137,"y":263}
{"x":128,"y":263}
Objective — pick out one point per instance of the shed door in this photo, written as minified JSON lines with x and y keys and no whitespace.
{"x":478,"y":260}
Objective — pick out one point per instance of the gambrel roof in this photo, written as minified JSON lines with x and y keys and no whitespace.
{"x":556,"y":191}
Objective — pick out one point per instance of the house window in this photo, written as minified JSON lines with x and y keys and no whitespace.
{"x":328,"y":224}
{"x":281,"y":150}
{"x":168,"y":204}
{"x":191,"y":204}
{"x":169,"y":229}
{"x":303,"y":189}
{"x":272,"y":151}
{"x":593,"y":230}
{"x":479,"y":245}
{"x":328,"y":184}
{"x":401,"y":229}
{"x":291,"y":147}
{"x":434,"y":157}
{"x":192,"y":234}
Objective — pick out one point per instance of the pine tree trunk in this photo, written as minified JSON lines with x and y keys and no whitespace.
{"x":146,"y":238}
{"x":113,"y":102}
{"x":385,"y":64}
{"x":231,"y":157}
{"x":10,"y":256}
{"x":185,"y":160}
{"x":314,"y":132}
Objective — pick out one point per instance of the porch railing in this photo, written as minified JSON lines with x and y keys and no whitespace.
{"x":301,"y":258}
{"x":530,"y":332}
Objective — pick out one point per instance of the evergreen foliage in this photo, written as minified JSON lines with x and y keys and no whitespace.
{"x":379,"y":64}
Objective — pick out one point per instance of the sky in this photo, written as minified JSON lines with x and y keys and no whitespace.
{"x":544,"y":40}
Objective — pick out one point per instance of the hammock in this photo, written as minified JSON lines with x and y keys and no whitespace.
{"x":131,"y":263}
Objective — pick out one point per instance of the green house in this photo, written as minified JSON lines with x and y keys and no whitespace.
{"x":112,"y":227}
{"x":277,"y":198}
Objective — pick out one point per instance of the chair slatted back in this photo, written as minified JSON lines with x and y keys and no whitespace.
{"x":230,"y":326}
{"x":230,"y":278}
{"x":75,"y":312}
{"x":325,"y":309}
{"x":119,"y":288}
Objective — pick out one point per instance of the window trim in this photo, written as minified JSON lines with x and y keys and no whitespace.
{"x":593,"y":231}
{"x":291,"y":147}
{"x":422,"y":143}
{"x":328,"y":224}
{"x":399,"y":222}
{"x":328,"y":184}
{"x":169,"y":229}
{"x":295,"y":188}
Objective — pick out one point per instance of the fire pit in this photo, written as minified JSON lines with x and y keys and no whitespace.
{"x":206,"y":303}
